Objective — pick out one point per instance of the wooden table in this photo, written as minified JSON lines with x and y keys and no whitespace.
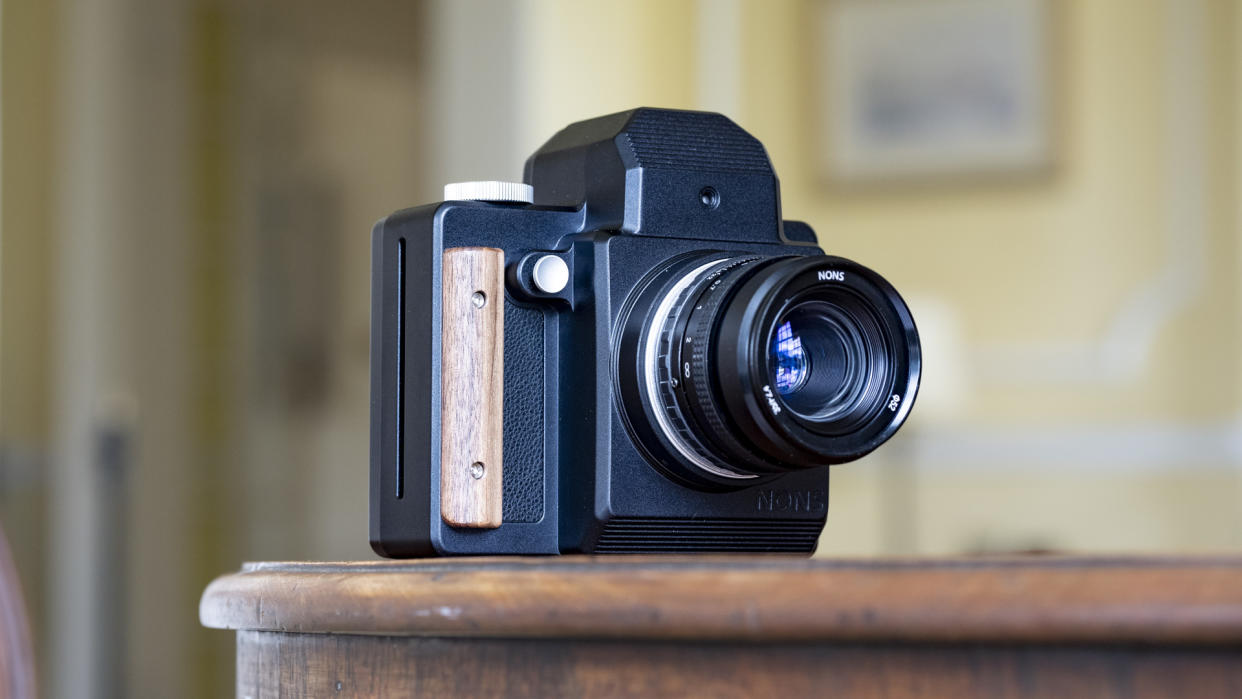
{"x":736,"y":626}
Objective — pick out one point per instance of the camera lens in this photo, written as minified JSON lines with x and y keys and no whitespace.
{"x":733,"y":368}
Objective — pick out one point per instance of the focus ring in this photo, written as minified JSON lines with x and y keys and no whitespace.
{"x":700,"y":399}
{"x":669,"y":383}
{"x":664,"y":357}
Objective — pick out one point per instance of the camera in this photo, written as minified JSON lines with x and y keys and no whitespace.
{"x":628,"y":352}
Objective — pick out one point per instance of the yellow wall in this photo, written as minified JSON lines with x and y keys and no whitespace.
{"x":1052,"y":257}
{"x":585,"y":59}
{"x":27,"y":45}
{"x":24,"y":241}
{"x":1013,"y":275}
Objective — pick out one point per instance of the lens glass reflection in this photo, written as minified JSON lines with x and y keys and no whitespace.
{"x":790,"y":361}
{"x":819,"y":360}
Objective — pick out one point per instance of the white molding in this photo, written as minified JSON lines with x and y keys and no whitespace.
{"x":122,"y":222}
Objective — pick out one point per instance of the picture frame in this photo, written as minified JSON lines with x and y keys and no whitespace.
{"x":921,"y":90}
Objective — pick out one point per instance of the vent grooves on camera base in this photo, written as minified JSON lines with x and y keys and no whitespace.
{"x":659,"y":535}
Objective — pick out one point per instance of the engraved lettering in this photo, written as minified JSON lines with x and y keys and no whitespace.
{"x":776,"y":407}
{"x":765,"y":500}
{"x":781,"y":500}
{"x":819,"y":502}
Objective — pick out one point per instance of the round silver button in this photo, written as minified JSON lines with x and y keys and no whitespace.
{"x":494,"y":191}
{"x":550,"y":274}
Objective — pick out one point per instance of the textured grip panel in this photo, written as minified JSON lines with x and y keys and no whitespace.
{"x":524,"y":415}
{"x":673,"y":140}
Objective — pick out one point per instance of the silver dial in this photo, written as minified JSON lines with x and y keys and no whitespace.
{"x":491,"y":190}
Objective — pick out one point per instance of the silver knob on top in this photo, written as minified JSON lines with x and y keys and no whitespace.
{"x":492,"y":190}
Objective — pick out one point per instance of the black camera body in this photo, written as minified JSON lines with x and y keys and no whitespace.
{"x":686,"y":389}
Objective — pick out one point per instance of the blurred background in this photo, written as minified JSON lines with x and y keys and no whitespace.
{"x":187,"y":189}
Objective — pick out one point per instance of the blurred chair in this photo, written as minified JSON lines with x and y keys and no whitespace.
{"x":17,"y":678}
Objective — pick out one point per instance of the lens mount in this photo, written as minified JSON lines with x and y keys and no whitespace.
{"x":735,"y":368}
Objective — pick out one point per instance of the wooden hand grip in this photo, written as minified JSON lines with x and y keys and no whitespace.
{"x":472,"y":387}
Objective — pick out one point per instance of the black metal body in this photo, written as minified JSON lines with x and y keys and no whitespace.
{"x":617,"y":196}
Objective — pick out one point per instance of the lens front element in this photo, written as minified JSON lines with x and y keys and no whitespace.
{"x":830,"y":361}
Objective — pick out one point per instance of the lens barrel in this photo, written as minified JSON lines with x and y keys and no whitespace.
{"x":736,"y":368}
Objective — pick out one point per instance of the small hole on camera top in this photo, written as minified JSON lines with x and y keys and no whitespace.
{"x":709,"y":197}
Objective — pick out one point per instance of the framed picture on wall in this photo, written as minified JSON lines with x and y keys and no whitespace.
{"x":923,"y":89}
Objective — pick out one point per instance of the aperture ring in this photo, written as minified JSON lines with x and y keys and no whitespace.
{"x":698,"y":387}
{"x":665,"y":382}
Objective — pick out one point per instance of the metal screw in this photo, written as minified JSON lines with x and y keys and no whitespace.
{"x":478,"y":299}
{"x":476,"y":470}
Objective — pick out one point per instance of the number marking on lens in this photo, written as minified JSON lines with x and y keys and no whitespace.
{"x":776,"y":407}
{"x":831,"y":275}
{"x":894,"y":402}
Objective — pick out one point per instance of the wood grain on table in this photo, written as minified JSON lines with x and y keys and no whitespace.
{"x":738,"y":626}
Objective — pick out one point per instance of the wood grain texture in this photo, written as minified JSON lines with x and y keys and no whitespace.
{"x":320,"y":665}
{"x":472,"y":387}
{"x":1195,"y":600}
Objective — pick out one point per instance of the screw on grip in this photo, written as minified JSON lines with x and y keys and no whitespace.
{"x":472,"y":387}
